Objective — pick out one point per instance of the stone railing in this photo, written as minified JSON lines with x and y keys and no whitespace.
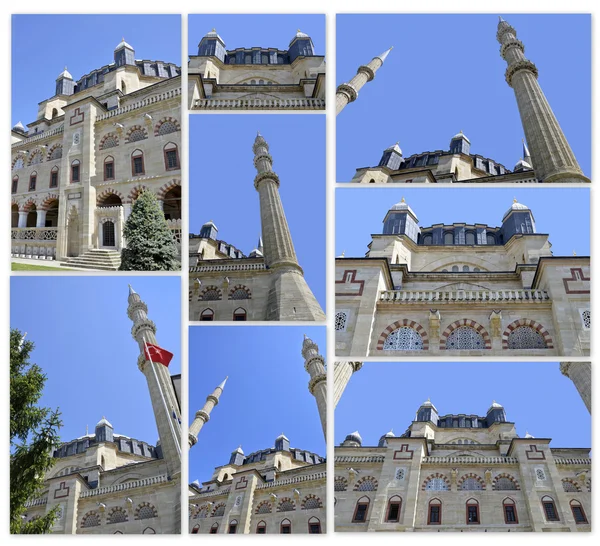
{"x":366,"y":459}
{"x":295,"y":479}
{"x":34,"y":234}
{"x":474,"y":296}
{"x":171,"y":94}
{"x":175,"y":227}
{"x":36,"y":502}
{"x":260,"y":104}
{"x":232,"y":267}
{"x":215,"y":493}
{"x":573,"y":461}
{"x":466,"y":461}
{"x":39,"y":136}
{"x":155,"y":480}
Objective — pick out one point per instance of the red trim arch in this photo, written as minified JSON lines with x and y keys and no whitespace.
{"x":310,"y":497}
{"x":105,"y":193}
{"x":135,"y":193}
{"x":399,"y":324}
{"x":431,"y":477}
{"x":26,"y":207}
{"x":479,"y":480}
{"x":136,"y":128}
{"x":465,"y":322}
{"x":166,"y":188}
{"x":164,"y":120}
{"x":573,"y":482}
{"x":50,"y":198}
{"x":362,"y":480}
{"x":509,"y":477}
{"x":51,"y":151}
{"x":531,"y":323}
{"x":106,"y":137}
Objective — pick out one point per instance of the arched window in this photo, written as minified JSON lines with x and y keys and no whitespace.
{"x":148,"y":531}
{"x":286,"y":505}
{"x":202,"y":513}
{"x":171,"y":153}
{"x":465,"y":338}
{"x":32,"y":181}
{"x":526,"y":337}
{"x":239,"y":314}
{"x":341,"y":317}
{"x":393,"y":509}
{"x":490,"y":239}
{"x":465,"y":268}
{"x":436,"y":484}
{"x":261,"y":528}
{"x":264,"y":508}
{"x":53,"y":178}
{"x":286,"y":527}
{"x":469,"y":238}
{"x":403,"y":339}
{"x":570,"y":487}
{"x":311,"y":503}
{"x":56,"y":152}
{"x":123,"y":87}
{"x":75,"y":171}
{"x":428,"y":240}
{"x":340,"y":483}
{"x":434,"y":512}
{"x":36,"y":158}
{"x":146,"y":511}
{"x":109,"y":141}
{"x":471,"y":483}
{"x":232,"y":527}
{"x":54,"y":113}
{"x":137,"y":163}
{"x":368,"y":483}
{"x":510,"y":511}
{"x":167,"y":127}
{"x":314,"y":526}
{"x":196,"y":529}
{"x":218,"y":510}
{"x":578,"y":512}
{"x":239,"y":293}
{"x":211,"y":293}
{"x":505,"y":484}
{"x":472,"y":512}
{"x":207,"y":315}
{"x":361,"y":510}
{"x":549,"y":509}
{"x":91,"y":519}
{"x":109,"y":168}
{"x":372,"y":181}
{"x":15,"y":184}
{"x":214,"y":529}
{"x":117,"y":515}
{"x":448,"y":238}
{"x":19,"y":163}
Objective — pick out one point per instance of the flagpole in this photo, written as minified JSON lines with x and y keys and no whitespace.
{"x":147,"y":354}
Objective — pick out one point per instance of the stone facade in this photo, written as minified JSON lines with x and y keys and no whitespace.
{"x":256,"y":78}
{"x":268,"y":284}
{"x":110,"y":483}
{"x":95,"y":145}
{"x":462,"y":290}
{"x":461,"y":473}
{"x":276,"y":490}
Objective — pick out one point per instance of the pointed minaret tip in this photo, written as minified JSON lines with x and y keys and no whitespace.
{"x":131,"y":290}
{"x":384,"y":55}
{"x":222,"y":385}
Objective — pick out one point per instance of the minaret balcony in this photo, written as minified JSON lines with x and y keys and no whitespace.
{"x":470,"y":296}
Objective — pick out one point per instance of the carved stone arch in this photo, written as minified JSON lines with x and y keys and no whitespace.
{"x":340,"y":483}
{"x":572,"y":482}
{"x":108,"y":141}
{"x":202,"y":512}
{"x":471,"y":324}
{"x":145,"y":510}
{"x":502,"y":476}
{"x":434,"y":476}
{"x":51,"y":155}
{"x":218,"y":510}
{"x":473,"y":476}
{"x":400,"y":324}
{"x":264,"y":507}
{"x":240,"y":292}
{"x":170,"y":121}
{"x":367,"y":483}
{"x":36,"y":153}
{"x":212,"y":293}
{"x":527,"y":323}
{"x":310,"y":502}
{"x":133,"y":134}
{"x":107,"y":193}
{"x":135,"y":193}
{"x":16,"y":158}
{"x":27,"y":205}
{"x":117,"y":515}
{"x":286,"y":504}
{"x":165,"y":188}
{"x":90,"y":519}
{"x":50,"y":198}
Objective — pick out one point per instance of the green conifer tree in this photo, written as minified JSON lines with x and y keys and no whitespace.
{"x":150,"y":244}
{"x":33,"y":438}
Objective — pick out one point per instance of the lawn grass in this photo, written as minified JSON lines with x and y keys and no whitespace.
{"x":26,"y":267}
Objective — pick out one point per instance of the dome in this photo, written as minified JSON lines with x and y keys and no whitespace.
{"x":123,"y":44}
{"x":104,"y":422}
{"x":65,"y":74}
{"x":394,"y":148}
{"x":19,"y":127}
{"x":402,"y":205}
{"x":238,"y":450}
{"x":299,"y":34}
{"x":256,"y":253}
{"x":210,"y":223}
{"x":495,"y":405}
{"x":213,"y":34}
{"x":461,"y":135}
{"x":522,"y":165}
{"x":428,"y":404}
{"x":515,"y":206}
{"x":354,"y":437}
{"x":389,"y":434}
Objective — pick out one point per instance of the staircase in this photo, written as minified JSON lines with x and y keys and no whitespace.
{"x":98,"y":259}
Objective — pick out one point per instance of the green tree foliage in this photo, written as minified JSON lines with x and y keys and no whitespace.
{"x":33,"y":438}
{"x":150,"y":244}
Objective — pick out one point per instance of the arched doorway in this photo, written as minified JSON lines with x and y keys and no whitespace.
{"x":14,"y":215}
{"x":110,"y":200}
{"x":172,"y":204}
{"x":31,"y":216}
{"x":52,"y":214}
{"x":108,"y":234}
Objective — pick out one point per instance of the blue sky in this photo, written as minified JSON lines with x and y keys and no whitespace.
{"x":42,"y":45}
{"x":464,"y":388}
{"x":256,"y":30}
{"x":222,"y":182}
{"x":83,"y":343}
{"x":266,"y":393}
{"x":469,"y":205}
{"x":445,"y":74}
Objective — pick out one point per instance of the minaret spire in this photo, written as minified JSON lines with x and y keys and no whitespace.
{"x":348,"y":92}
{"x":203,"y":415}
{"x":581,"y":375}
{"x":552,"y":156}
{"x":526,"y":154}
{"x":162,"y":394}
{"x":315,"y":365}
{"x":289,"y":297}
{"x":342,"y":372}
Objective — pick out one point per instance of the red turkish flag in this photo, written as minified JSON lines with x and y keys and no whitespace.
{"x":155,"y":353}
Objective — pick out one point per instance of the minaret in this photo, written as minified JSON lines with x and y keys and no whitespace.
{"x":581,"y":374}
{"x":526,"y":154}
{"x":162,"y":394}
{"x":290,"y":297}
{"x":342,"y":372}
{"x":315,"y":365}
{"x":347,"y":92}
{"x":552,"y":157}
{"x":203,"y":415}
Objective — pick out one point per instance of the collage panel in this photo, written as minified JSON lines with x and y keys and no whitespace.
{"x":256,"y":62}
{"x":463,"y":468}
{"x":96,"y":174}
{"x":500,"y":80}
{"x":96,"y":411}
{"x":276,"y":270}
{"x":490,"y":276}
{"x":247,"y":476}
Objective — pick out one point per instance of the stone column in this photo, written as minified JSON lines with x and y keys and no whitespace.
{"x":315,"y":365}
{"x":581,"y":375}
{"x":348,"y":92}
{"x":22,"y":219}
{"x":342,"y":372}
{"x":551,"y":154}
{"x":203,"y":415}
{"x":41,"y":218}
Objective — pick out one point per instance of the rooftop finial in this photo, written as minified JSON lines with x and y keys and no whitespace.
{"x":131,"y":290}
{"x":574,"y":253}
{"x":515,"y":200}
{"x":500,"y":20}
{"x":403,"y":200}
